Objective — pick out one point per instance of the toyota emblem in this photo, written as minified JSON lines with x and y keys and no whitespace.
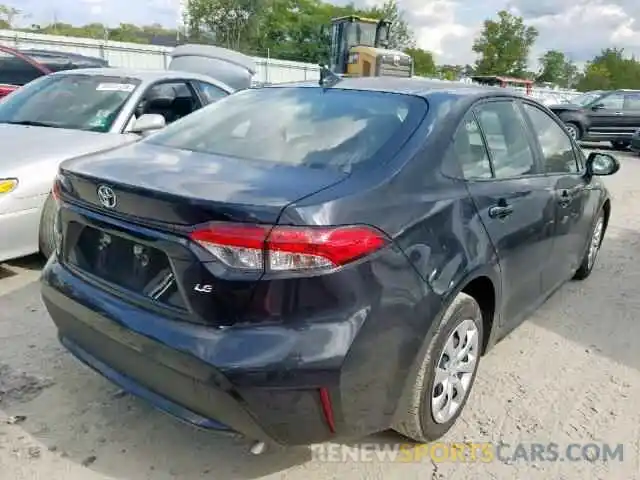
{"x":107,"y":196}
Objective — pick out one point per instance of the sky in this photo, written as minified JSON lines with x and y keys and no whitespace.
{"x":580,"y":28}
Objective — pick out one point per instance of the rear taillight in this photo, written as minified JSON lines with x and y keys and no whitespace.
{"x":285,"y":248}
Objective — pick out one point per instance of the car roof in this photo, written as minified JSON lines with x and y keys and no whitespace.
{"x":420,"y":87}
{"x":145,"y":76}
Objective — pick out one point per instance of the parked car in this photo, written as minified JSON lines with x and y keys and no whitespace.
{"x":73,"y":113}
{"x":602,"y":116}
{"x":327,"y":272}
{"x":635,"y":141}
{"x":19,"y":67}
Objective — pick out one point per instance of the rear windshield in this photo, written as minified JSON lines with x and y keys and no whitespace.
{"x":312,"y":127}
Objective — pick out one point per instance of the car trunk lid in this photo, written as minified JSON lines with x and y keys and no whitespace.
{"x":179,"y":187}
{"x":138,"y":245}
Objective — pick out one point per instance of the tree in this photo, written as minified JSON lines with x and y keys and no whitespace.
{"x":8,"y":15}
{"x":423,"y":63}
{"x":451,"y":72}
{"x":557,"y":68}
{"x":611,"y":69}
{"x":229,"y":22}
{"x":400,"y":34}
{"x":504,"y":45}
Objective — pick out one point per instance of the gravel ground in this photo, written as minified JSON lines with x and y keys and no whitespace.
{"x":568,"y":375}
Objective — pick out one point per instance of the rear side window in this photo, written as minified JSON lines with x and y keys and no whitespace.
{"x":305,"y":126}
{"x":507,"y":141}
{"x":16,"y":71}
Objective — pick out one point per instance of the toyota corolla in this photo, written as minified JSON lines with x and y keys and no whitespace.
{"x":304,"y":263}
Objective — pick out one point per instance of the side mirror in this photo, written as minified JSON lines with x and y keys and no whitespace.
{"x":147,"y":123}
{"x":598,"y":106}
{"x":602,"y":164}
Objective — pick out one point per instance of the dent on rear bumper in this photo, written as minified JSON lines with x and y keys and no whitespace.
{"x":266,"y":377}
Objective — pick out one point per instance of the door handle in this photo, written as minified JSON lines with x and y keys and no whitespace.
{"x":564,"y":198}
{"x":500,"y":211}
{"x":619,"y":113}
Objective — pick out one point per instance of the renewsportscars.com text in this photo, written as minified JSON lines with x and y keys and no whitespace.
{"x":471,"y":452}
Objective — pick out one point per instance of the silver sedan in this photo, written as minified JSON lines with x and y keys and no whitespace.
{"x":74,"y":113}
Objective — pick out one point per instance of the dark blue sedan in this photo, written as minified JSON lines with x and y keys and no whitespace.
{"x":304,"y":263}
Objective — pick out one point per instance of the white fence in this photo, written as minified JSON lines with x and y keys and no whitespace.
{"x":134,"y":55}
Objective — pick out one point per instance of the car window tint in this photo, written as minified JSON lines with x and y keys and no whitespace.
{"x":469,"y":150}
{"x":314,"y":127}
{"x":555,"y":143}
{"x":615,"y":101}
{"x":507,"y":141}
{"x":16,"y":71}
{"x":210,"y":93}
{"x":632,"y":101}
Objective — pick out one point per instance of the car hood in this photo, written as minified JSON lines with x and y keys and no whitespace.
{"x":43,"y":148}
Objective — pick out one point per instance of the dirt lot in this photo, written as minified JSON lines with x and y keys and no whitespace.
{"x":571,"y":374}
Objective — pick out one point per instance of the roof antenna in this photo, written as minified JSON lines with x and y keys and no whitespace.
{"x":327,"y":77}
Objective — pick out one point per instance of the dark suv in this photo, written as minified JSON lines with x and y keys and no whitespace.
{"x":602,"y":116}
{"x":19,"y":67}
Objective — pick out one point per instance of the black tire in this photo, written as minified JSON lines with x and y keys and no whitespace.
{"x":586,"y":267}
{"x":574,"y":130}
{"x":46,"y":234}
{"x":620,"y":145}
{"x":414,"y":418}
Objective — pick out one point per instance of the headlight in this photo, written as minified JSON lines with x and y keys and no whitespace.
{"x":8,"y":185}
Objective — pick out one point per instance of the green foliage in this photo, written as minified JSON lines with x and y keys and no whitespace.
{"x":611,"y":70}
{"x":401,"y":36}
{"x":423,"y":63}
{"x":8,"y":15}
{"x":125,"y":32}
{"x":285,"y":29}
{"x":558,"y":69}
{"x":504,"y":45}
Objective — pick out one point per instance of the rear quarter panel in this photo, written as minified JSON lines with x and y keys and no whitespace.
{"x":433,"y":223}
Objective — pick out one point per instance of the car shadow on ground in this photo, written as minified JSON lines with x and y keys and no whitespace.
{"x":602,"y":313}
{"x":13,"y":267}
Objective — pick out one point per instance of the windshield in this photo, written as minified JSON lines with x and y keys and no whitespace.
{"x":312,"y":127}
{"x":78,"y":102}
{"x":360,"y":33}
{"x":585,"y":98}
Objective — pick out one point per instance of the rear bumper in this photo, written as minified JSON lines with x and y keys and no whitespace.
{"x":262,"y":382}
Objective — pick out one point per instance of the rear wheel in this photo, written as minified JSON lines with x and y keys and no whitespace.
{"x":595,"y":241}
{"x":442,"y":380}
{"x":574,"y":130}
{"x":46,"y":235}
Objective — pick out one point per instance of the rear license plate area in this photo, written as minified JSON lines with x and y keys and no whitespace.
{"x":133,"y":266}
